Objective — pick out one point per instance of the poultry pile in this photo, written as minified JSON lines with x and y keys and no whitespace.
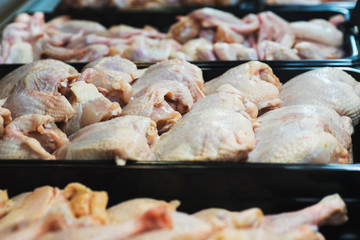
{"x":145,"y":3}
{"x":77,"y":212}
{"x":205,"y":34}
{"x":112,"y":110}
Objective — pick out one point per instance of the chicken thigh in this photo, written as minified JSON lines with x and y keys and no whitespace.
{"x":31,"y":136}
{"x":111,"y":140}
{"x":39,"y":88}
{"x":328,"y":86}
{"x":176,"y":70}
{"x":318,"y":135}
{"x":255,"y":81}
{"x":225,"y":133}
{"x":164,"y":102}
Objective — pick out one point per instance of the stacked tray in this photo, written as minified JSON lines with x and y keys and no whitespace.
{"x":272,"y":187}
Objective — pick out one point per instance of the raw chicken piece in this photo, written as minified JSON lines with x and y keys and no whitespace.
{"x":269,"y":50}
{"x":221,"y":219}
{"x":318,"y":135}
{"x":175,"y":70}
{"x":210,"y":17}
{"x":32,"y":136}
{"x":48,"y":209}
{"x":146,"y":49}
{"x":185,"y":29}
{"x":90,"y":107}
{"x":132,"y":209}
{"x":164,"y":102}
{"x":75,"y":26}
{"x":311,"y":50}
{"x":255,"y":81}
{"x":5,"y":119}
{"x":307,"y":232}
{"x":34,"y":206}
{"x":21,"y":52}
{"x":233,"y":52}
{"x":274,"y":28}
{"x":318,"y":30}
{"x":156,"y":218}
{"x":227,"y":35}
{"x":192,"y":48}
{"x":227,"y":97}
{"x":125,"y":31}
{"x":112,"y":84}
{"x":331,"y":210}
{"x":225,"y":132}
{"x":37,"y":88}
{"x":184,"y":227}
{"x":92,"y":52}
{"x":123,"y":138}
{"x":327,"y":86}
{"x":115,"y":63}
{"x":18,"y":37}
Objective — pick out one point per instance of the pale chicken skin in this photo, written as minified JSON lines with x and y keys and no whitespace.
{"x":46,"y":209}
{"x":329,"y":87}
{"x":32,"y":136}
{"x":225,"y":136}
{"x":164,"y":102}
{"x":318,"y":135}
{"x":90,"y":107}
{"x":39,"y":90}
{"x":77,"y":212}
{"x":176,"y":70}
{"x":110,"y":140}
{"x":255,"y":80}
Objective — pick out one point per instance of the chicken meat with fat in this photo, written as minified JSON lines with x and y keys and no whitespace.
{"x":31,"y":136}
{"x":164,"y":102}
{"x":90,"y":107}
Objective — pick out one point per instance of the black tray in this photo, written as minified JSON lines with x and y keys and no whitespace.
{"x":262,"y":5}
{"x":209,"y":72}
{"x":162,"y":19}
{"x":273,"y":188}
